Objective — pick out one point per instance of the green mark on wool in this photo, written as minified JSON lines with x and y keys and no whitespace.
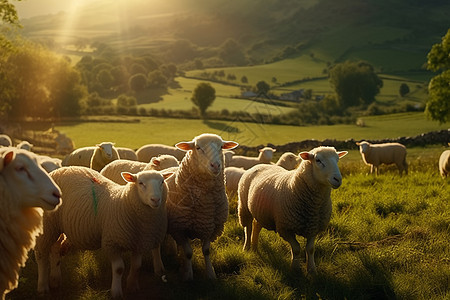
{"x":94,"y":197}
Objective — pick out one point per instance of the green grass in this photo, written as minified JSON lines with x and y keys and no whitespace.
{"x":387,"y":239}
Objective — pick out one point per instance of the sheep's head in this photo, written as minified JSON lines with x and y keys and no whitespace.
{"x":364,"y":147}
{"x":28,"y":181}
{"x":266,"y":154}
{"x":324,"y":161}
{"x":151,"y":186}
{"x":207,"y":152}
{"x":162,"y":162}
{"x":289,"y":160}
{"x":107,"y":149}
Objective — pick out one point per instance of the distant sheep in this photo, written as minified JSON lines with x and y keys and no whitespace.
{"x":114,"y":169}
{"x":92,"y":157}
{"x":227,"y":156}
{"x":197,"y":206}
{"x":444,"y":163}
{"x":127,"y":153}
{"x":387,"y":153}
{"x":289,"y":161}
{"x":64,"y":144}
{"x":264,"y":157}
{"x":292,"y":203}
{"x":98,"y":213}
{"x":25,"y":190}
{"x":49,"y":163}
{"x":232,"y":177}
{"x":25,"y":145}
{"x":5,"y":140}
{"x":146,"y":152}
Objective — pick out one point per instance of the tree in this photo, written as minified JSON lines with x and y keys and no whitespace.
{"x":438,"y":104}
{"x":355,"y":83}
{"x":203,"y":96}
{"x":138,"y":82}
{"x":262,"y":87}
{"x":8,"y":13}
{"x":404,"y":90}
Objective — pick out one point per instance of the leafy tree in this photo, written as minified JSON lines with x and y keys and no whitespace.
{"x":203,"y":96}
{"x":355,"y":83}
{"x":404,"y":90}
{"x":231,"y":52}
{"x":138,"y":82}
{"x":262,"y":87}
{"x":244,"y":79}
{"x":156,"y":79}
{"x":438,"y":104}
{"x":8,"y":13}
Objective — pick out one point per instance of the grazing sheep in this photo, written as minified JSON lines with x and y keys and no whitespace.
{"x":387,"y":153}
{"x":264,"y":157}
{"x":444,"y":163}
{"x":146,"y":152}
{"x":127,"y":153}
{"x":227,"y":156}
{"x":98,"y":213}
{"x":295,"y":202}
{"x":113,"y":170}
{"x":25,"y":190}
{"x":197,"y":206}
{"x":5,"y":140}
{"x":92,"y":157}
{"x":289,"y":161}
{"x":232,"y":177}
{"x":25,"y":145}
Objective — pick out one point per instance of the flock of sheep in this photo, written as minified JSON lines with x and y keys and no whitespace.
{"x":122,"y":200}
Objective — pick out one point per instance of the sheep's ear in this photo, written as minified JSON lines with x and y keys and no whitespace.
{"x":358,"y":143}
{"x":228,"y":145}
{"x":167,"y":175}
{"x":8,"y":158}
{"x":341,"y":154}
{"x":306,"y":155}
{"x":155,"y":161}
{"x":185,"y":146}
{"x":128,"y":177}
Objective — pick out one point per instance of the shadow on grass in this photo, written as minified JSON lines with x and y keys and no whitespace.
{"x":220,"y":126}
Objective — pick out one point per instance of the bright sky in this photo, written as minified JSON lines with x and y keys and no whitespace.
{"x":30,"y":8}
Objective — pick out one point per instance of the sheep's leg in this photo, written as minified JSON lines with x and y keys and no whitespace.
{"x":210,"y":273}
{"x":43,"y":263}
{"x":310,"y":264}
{"x":133,"y":276}
{"x":248,"y":234}
{"x":187,"y":271}
{"x":158,"y":266}
{"x":55,"y":266}
{"x":118,"y":267}
{"x":255,"y":234}
{"x":295,"y":248}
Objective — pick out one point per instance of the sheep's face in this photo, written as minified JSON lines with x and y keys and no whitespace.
{"x":207,"y":151}
{"x":324,"y":161}
{"x":363,"y":147}
{"x":151,"y":186}
{"x":30,"y":183}
{"x":162,"y":162}
{"x":266,"y":153}
{"x":107,"y":150}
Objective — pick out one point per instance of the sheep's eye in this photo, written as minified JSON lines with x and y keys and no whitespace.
{"x":141,"y":184}
{"x":319,"y":161}
{"x":200,"y":149}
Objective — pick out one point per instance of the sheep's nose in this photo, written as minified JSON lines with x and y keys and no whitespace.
{"x":336,"y":181}
{"x":155,"y":201}
{"x":215,"y":167}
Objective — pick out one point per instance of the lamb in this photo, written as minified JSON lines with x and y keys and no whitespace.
{"x":264,"y":157}
{"x":92,"y":157}
{"x":127,"y":153}
{"x":98,"y":213}
{"x":146,"y":152}
{"x":289,"y":161}
{"x":197,"y":206}
{"x":444,"y":163}
{"x":25,"y":190}
{"x":113,"y":170}
{"x":25,"y":145}
{"x":232,"y":177}
{"x":295,"y":202}
{"x":387,"y":153}
{"x":5,"y":140}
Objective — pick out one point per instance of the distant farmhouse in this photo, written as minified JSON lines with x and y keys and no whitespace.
{"x":292,"y":96}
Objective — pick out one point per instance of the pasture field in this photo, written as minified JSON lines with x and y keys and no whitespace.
{"x":387,"y":239}
{"x":171,"y":131}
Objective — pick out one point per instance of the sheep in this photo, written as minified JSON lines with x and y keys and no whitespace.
{"x":264,"y":157}
{"x":444,"y":163}
{"x":113,"y":170}
{"x":289,"y":161}
{"x":92,"y":157}
{"x":295,"y":202}
{"x":146,"y":152}
{"x":227,"y":156}
{"x":387,"y":153}
{"x":127,"y":153}
{"x":98,"y":213}
{"x":232,"y":177}
{"x":64,"y":144}
{"x":5,"y":140}
{"x":25,"y":145}
{"x":197,"y":206}
{"x":49,"y":163}
{"x":26,"y":189}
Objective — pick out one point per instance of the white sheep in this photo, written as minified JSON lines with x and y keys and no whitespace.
{"x":92,"y":157}
{"x":25,"y":190}
{"x":232,"y":177}
{"x":49,"y":163}
{"x":444,"y":163}
{"x":127,"y":153}
{"x":146,"y":152}
{"x":295,"y":202}
{"x":227,"y":156}
{"x":25,"y":145}
{"x":289,"y":161}
{"x":264,"y":157}
{"x":98,"y":213}
{"x":5,"y":140}
{"x":386,"y":153}
{"x":114,"y":169}
{"x":197,"y":206}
